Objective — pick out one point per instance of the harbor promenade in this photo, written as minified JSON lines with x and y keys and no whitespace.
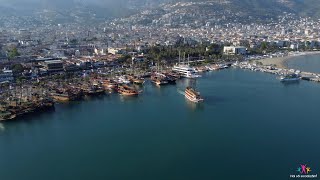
{"x":309,"y":76}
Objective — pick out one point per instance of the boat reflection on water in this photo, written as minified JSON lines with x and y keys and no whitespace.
{"x":194,"y":106}
{"x":128,"y":98}
{"x":190,"y":82}
{"x":2,"y":127}
{"x":291,"y":83}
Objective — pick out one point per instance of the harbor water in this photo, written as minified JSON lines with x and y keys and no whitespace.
{"x":308,"y":63}
{"x":250,"y":126}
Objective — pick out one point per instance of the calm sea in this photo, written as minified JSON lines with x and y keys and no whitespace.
{"x":309,"y":63}
{"x":250,"y":127}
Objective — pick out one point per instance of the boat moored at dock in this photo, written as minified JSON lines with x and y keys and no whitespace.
{"x":290,"y":78}
{"x":6,"y":116}
{"x":109,"y":84}
{"x":137,"y":80}
{"x":159,"y":79}
{"x":93,"y":90}
{"x":185,"y":71}
{"x":16,"y":110}
{"x":127,"y":90}
{"x":66,"y":95}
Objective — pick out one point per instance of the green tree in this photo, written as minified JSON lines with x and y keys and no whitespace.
{"x":13,"y":53}
{"x":17,"y":68}
{"x":264,"y":45}
{"x":74,"y":41}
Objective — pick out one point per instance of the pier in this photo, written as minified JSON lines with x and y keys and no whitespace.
{"x":308,"y":76}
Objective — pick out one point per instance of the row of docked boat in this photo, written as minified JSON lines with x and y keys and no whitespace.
{"x":15,"y":110}
{"x":164,"y":79}
{"x":129,"y":79}
{"x":190,"y":72}
{"x":216,"y":67}
{"x":66,"y":94}
{"x":77,"y":89}
{"x":285,"y":75}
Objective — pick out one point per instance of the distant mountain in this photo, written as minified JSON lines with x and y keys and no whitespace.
{"x":98,"y":8}
{"x":77,"y":10}
{"x":300,"y":7}
{"x":273,"y":8}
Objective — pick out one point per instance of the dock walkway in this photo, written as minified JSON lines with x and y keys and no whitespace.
{"x":308,"y":76}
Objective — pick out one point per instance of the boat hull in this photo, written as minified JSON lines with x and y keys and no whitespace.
{"x":127,"y":91}
{"x":61,"y":98}
{"x":289,"y":80}
{"x":128,"y":94}
{"x":195,"y":100}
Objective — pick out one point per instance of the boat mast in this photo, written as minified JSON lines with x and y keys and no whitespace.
{"x":132,"y":68}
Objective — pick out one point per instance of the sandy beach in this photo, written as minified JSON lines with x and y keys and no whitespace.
{"x":280,"y":62}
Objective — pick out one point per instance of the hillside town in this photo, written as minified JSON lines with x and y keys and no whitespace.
{"x":71,"y":60}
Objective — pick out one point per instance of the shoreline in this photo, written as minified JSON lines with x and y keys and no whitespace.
{"x":281,"y":62}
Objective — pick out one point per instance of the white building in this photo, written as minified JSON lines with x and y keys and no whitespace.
{"x":77,"y":53}
{"x":115,"y":51}
{"x":6,"y":76}
{"x":234,"y":50}
{"x":99,"y":51}
{"x":294,"y":46}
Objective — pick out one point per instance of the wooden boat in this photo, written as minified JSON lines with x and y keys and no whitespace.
{"x":15,"y":111}
{"x":109,"y":84}
{"x":201,"y":69}
{"x":61,"y":97}
{"x":174,"y":75}
{"x":171,"y":79}
{"x":193,"y":95}
{"x":137,"y":80}
{"x":215,"y":67}
{"x":6,"y":116}
{"x":159,"y":80}
{"x":68,"y":95}
{"x":93,"y":90}
{"x":127,"y":90}
{"x":44,"y":104}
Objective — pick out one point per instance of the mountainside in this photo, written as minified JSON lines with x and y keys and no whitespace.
{"x":90,"y":10}
{"x":264,"y":7}
{"x":300,"y":7}
{"x":67,"y":8}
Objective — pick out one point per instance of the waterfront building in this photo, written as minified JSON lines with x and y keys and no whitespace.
{"x":234,"y":50}
{"x":294,"y":46}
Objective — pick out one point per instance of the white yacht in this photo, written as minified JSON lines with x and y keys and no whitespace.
{"x":123,"y":80}
{"x":290,"y":77}
{"x":185,"y":71}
